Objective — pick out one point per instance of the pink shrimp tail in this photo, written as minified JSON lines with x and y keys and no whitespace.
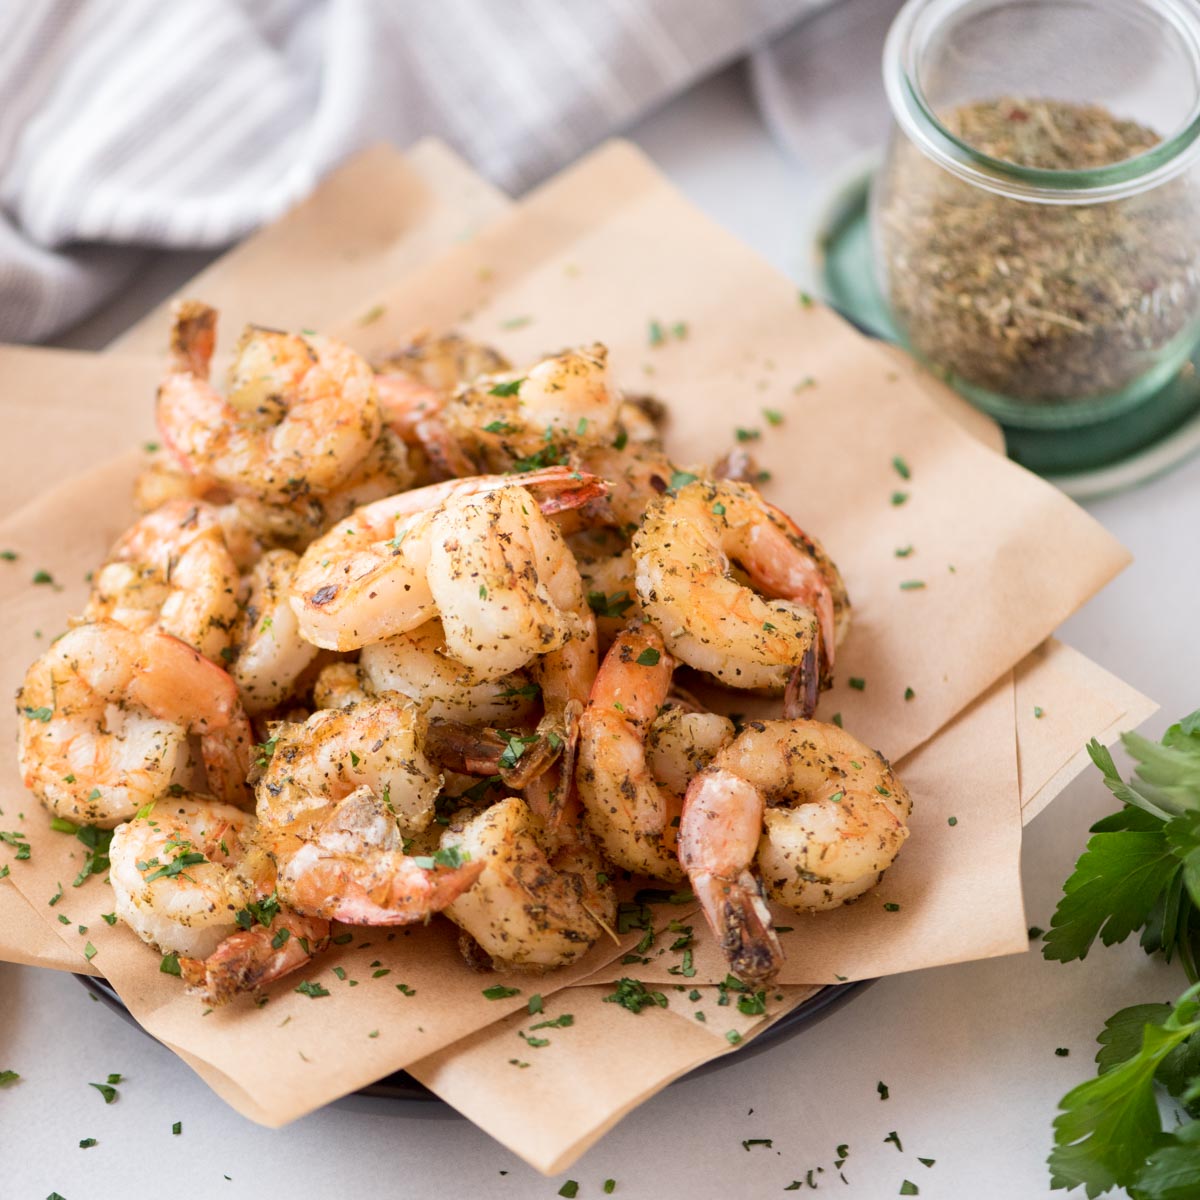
{"x":248,"y":960}
{"x":738,"y":915}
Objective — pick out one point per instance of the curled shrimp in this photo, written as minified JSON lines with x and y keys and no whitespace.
{"x":820,"y":814}
{"x":367,"y":578}
{"x":782,"y":630}
{"x":632,"y":812}
{"x":172,"y":570}
{"x":337,"y":798}
{"x":301,"y":415}
{"x":414,"y":385}
{"x":536,"y":905}
{"x":270,"y":653}
{"x":544,"y":415}
{"x":188,"y":879}
{"x":104,"y":719}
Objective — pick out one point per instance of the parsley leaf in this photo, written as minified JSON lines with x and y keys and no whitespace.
{"x":1110,"y":1125}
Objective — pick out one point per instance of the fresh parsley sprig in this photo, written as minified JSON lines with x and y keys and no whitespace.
{"x":1140,"y":871}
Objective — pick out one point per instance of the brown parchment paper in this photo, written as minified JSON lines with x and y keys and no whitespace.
{"x":609,"y":246}
{"x":183,"y":1029}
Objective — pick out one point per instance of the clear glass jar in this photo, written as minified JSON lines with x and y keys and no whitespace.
{"x":1036,"y":223}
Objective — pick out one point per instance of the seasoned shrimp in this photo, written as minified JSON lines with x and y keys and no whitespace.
{"x":784,"y":631}
{"x":338,"y":795}
{"x":632,"y":813}
{"x":535,"y":906}
{"x":414,"y":385}
{"x":367,"y":578}
{"x":188,"y":879}
{"x":294,"y":523}
{"x":511,"y":420}
{"x":173,"y":571}
{"x":271,"y":654}
{"x":505,"y":585}
{"x":105,"y":715}
{"x":606,"y":570}
{"x":301,"y":416}
{"x":418,"y":664}
{"x":821,"y":814}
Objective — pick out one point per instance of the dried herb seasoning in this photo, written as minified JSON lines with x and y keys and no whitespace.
{"x":1039,"y":303}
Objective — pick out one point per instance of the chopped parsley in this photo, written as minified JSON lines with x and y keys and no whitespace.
{"x":899,"y":498}
{"x":42,"y":714}
{"x":43,"y":577}
{"x":570,"y":1189}
{"x":170,"y":965}
{"x":509,"y":388}
{"x":108,"y":1088}
{"x":499,"y":992}
{"x":635,"y":996}
{"x":177,"y":1128}
{"x":773,"y":416}
{"x":313,"y":990}
{"x":1038,"y":712}
{"x":7,"y":1078}
{"x":908,"y":1188}
{"x":446,"y":856}
{"x":563,"y":1022}
{"x":909,"y":693}
{"x":614,"y":605}
{"x":648,"y":657}
{"x":264,"y":912}
{"x":265,"y":751}
{"x":882,"y":1089}
{"x":655,"y":336}
{"x":747,"y":1143}
{"x":680,"y":479}
{"x":87,"y":1143}
{"x":912,"y":585}
{"x":901,"y":467}
{"x":857,"y":683}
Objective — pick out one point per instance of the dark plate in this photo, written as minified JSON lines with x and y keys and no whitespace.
{"x":403,"y":1087}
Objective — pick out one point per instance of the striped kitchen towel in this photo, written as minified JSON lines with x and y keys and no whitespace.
{"x":186,"y":123}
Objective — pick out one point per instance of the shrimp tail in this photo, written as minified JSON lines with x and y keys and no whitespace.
{"x":472,"y":750}
{"x":804,"y":685}
{"x":193,"y":337}
{"x":738,"y":915}
{"x":249,"y":959}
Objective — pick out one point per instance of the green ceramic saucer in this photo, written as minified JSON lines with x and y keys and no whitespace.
{"x":1084,"y":461}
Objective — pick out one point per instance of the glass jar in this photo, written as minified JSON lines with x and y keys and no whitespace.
{"x":1036,"y":223}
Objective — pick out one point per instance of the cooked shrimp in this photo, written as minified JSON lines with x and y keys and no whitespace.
{"x":105,"y":715}
{"x":173,"y":571}
{"x":340,"y":684}
{"x":294,"y":523}
{"x":505,"y":585}
{"x":338,"y":796}
{"x":301,"y":415}
{"x":187,"y":877}
{"x":271,"y":654}
{"x":746,"y":638}
{"x":632,"y":813}
{"x":418,"y":665}
{"x":823,"y":816}
{"x":367,"y":578}
{"x":509,"y":420}
{"x":414,"y":385}
{"x":534,"y":907}
{"x":606,"y":570}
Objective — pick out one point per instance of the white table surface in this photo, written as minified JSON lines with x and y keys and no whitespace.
{"x":968,"y":1052}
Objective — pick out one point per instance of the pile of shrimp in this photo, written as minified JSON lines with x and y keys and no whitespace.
{"x":399,"y":639}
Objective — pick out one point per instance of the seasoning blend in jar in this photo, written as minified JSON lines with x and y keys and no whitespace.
{"x":1036,"y":224}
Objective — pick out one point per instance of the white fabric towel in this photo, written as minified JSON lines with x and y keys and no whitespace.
{"x":187,"y":123}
